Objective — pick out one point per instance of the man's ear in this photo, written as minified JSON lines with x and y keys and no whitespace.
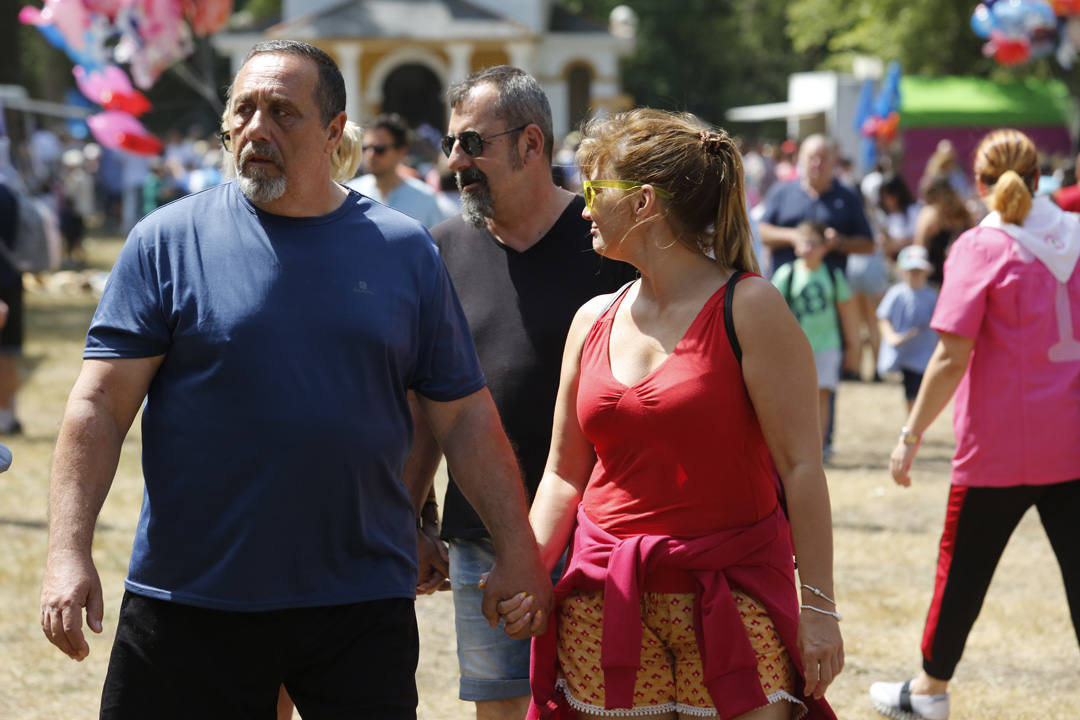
{"x":534,"y":141}
{"x":334,"y":132}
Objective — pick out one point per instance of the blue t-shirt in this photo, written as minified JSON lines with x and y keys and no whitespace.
{"x":275,"y":431}
{"x":839,"y":207}
{"x":906,"y":308}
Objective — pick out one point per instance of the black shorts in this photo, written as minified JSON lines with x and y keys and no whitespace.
{"x":11,"y":336}
{"x":912,"y":381}
{"x":172,"y":661}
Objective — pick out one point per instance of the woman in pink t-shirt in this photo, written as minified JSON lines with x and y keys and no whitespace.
{"x":1007,"y":315}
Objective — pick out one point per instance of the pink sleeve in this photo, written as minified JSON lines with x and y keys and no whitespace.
{"x":969,"y":272}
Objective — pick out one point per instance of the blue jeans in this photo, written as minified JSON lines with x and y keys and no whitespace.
{"x":493,"y":666}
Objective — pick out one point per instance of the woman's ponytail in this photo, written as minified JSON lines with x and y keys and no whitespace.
{"x":1011,"y":197}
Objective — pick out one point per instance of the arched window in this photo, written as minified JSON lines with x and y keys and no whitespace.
{"x":579,"y":78}
{"x":415,"y":93}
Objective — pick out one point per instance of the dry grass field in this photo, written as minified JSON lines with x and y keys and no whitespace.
{"x":1021,"y":662}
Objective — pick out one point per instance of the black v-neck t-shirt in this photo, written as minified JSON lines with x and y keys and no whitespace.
{"x":519,"y":306}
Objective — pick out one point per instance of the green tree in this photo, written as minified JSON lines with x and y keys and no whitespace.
{"x":928,"y":37}
{"x":707,"y":56}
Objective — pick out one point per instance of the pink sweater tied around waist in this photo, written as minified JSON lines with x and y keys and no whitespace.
{"x":757,"y":559}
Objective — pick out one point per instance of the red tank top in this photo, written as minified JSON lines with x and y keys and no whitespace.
{"x":681,"y":452}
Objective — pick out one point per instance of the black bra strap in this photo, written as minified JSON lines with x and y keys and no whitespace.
{"x":729,"y":315}
{"x":617,"y":294}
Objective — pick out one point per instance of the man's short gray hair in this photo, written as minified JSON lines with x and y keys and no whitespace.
{"x":519,"y":101}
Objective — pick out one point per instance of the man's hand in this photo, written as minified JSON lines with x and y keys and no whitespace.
{"x":433,"y":561}
{"x":832,"y":238}
{"x":71,"y":583}
{"x":521,"y":578}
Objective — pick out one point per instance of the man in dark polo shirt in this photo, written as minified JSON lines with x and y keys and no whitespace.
{"x":817,"y":196}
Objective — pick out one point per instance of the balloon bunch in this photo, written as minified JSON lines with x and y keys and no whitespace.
{"x":146,"y":35}
{"x":1017,"y":31}
{"x":882,"y":129}
{"x":878,"y":118}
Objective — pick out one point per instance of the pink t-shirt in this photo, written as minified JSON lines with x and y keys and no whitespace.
{"x":1017,"y":410}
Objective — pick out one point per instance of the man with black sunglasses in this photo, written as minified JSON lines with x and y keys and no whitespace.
{"x":385,"y":144}
{"x":520,"y":256}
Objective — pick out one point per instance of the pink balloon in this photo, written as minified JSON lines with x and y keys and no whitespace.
{"x":94,"y":83}
{"x":121,"y":131}
{"x":70,"y":18}
{"x":29,"y":15}
{"x":108,"y":8}
{"x":110,"y":88}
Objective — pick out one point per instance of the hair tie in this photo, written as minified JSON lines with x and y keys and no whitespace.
{"x":712,"y":141}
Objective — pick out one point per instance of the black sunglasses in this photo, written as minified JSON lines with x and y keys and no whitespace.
{"x":471,"y":141}
{"x":377,"y":149}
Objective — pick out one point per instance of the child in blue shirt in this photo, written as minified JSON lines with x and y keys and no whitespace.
{"x":907,"y":340}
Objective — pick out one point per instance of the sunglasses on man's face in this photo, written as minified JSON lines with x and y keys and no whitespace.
{"x":377,"y":149}
{"x":471,"y":141}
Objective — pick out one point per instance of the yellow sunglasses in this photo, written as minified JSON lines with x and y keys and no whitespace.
{"x":589,"y":187}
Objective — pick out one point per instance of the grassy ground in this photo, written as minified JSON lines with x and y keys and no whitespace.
{"x":1021,"y":661}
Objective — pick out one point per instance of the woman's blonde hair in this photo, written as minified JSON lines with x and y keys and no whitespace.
{"x":701,"y":169}
{"x":343,"y":163}
{"x":349,"y":153}
{"x":1006,"y":163}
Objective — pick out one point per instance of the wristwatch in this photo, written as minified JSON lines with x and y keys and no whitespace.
{"x":908,"y":437}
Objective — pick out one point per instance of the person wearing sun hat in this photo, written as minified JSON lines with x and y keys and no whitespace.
{"x":907,"y":340}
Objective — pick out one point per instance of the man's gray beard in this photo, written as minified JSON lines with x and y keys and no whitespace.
{"x":259,"y":187}
{"x":476,"y":208}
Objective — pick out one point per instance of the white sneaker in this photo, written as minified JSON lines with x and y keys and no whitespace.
{"x":895,"y":700}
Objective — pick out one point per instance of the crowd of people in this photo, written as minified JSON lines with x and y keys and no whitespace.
{"x":627,"y":348}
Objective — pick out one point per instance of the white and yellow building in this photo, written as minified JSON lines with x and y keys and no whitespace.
{"x":401,"y":55}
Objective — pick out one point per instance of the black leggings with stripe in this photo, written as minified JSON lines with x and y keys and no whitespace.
{"x":978,"y":524}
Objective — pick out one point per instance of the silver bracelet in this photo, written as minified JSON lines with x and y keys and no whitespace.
{"x":823,"y":612}
{"x":820,"y":594}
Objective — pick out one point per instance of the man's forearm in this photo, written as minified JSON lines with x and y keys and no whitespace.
{"x":87,"y":453}
{"x":423,"y":461}
{"x":854,"y":244}
{"x":775,"y":236}
{"x":484,"y":467}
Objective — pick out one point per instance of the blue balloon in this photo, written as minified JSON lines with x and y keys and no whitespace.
{"x":982,"y":21}
{"x":54,"y":36}
{"x":5,"y":458}
{"x":1040,"y":15}
{"x":1009,"y":17}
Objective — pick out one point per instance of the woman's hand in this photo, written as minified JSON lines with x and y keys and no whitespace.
{"x":517,"y":615}
{"x":900,"y":461}
{"x":822,"y":651}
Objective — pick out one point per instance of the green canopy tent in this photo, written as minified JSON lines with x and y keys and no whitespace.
{"x":964,"y":109}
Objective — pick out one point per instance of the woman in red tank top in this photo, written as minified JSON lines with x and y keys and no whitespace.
{"x":679,"y":597}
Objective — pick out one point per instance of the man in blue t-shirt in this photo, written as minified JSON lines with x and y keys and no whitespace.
{"x":275,"y":325}
{"x":815,"y":196}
